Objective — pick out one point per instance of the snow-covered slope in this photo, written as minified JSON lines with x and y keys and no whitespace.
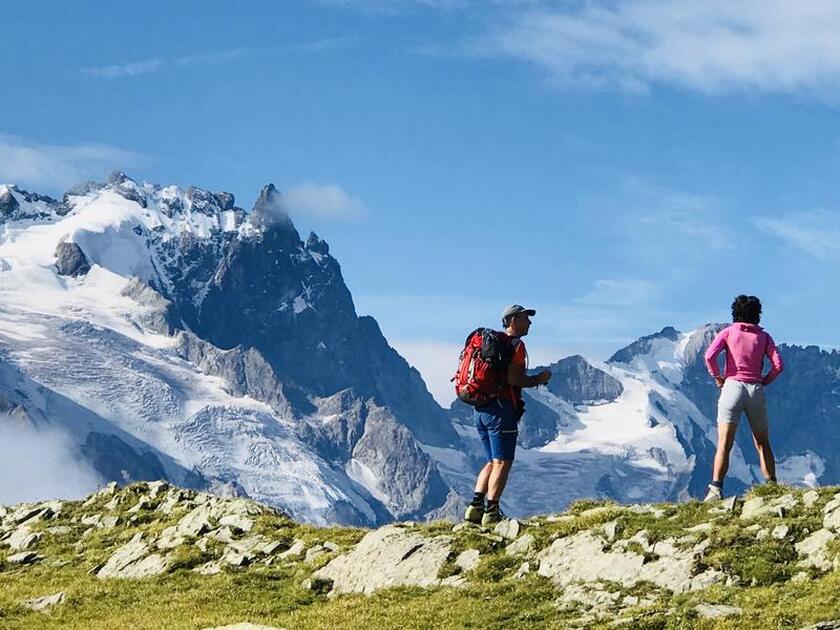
{"x":109,"y":311}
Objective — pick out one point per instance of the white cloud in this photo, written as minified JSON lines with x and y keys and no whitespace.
{"x":39,"y":464}
{"x":124,"y":70}
{"x":58,"y":166}
{"x":816,"y":233}
{"x":135,"y":68}
{"x":329,"y":201}
{"x":711,"y":46}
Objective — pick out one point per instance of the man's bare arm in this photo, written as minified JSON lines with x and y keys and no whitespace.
{"x":518,"y":378}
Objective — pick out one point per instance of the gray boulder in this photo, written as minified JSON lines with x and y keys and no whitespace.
{"x":390,"y":556}
{"x":70,"y":260}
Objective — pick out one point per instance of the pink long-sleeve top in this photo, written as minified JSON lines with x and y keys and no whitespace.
{"x":746,"y":346}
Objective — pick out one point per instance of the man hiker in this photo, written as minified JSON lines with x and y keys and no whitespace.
{"x":497,"y":421}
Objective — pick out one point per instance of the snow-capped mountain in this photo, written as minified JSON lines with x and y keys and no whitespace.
{"x":172,"y":334}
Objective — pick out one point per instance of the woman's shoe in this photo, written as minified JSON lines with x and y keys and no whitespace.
{"x":714,"y":494}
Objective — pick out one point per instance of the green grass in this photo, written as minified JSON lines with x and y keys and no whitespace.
{"x":275,"y":595}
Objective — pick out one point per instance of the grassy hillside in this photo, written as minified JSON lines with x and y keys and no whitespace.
{"x":224,"y":561}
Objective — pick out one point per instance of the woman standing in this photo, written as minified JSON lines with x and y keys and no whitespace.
{"x":742,"y":387}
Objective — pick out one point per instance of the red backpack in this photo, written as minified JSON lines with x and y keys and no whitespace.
{"x":482,"y":368}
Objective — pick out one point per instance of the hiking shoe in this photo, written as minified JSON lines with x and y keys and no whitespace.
{"x":714,"y":494}
{"x":491,"y":517}
{"x":474,"y":514}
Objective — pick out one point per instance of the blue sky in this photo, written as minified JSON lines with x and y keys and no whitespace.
{"x":618,"y":166}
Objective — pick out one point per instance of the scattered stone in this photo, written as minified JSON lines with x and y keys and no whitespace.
{"x":611,"y":530}
{"x":25,"y":512}
{"x":331,"y":546}
{"x":715,"y":611}
{"x":810,"y":498}
{"x":23,"y":538}
{"x":170,"y":538}
{"x":143,"y":503}
{"x":224,"y":535}
{"x":131,"y":561}
{"x":831,"y":520}
{"x":780,"y":532}
{"x":456,"y":581}
{"x":702,"y":527}
{"x":59,"y":530}
{"x":314,"y":552}
{"x":390,"y":556}
{"x":591,"y":597}
{"x":461,"y":526}
{"x":114,"y":503}
{"x":210,"y":568}
{"x":295,"y":551}
{"x":195,"y":523}
{"x":92,"y":520}
{"x":581,"y":558}
{"x":800,"y":577}
{"x":522,"y":545}
{"x":825,"y":625}
{"x":468,"y":559}
{"x":237,"y":522}
{"x":757,"y":506}
{"x":523,"y":570}
{"x":762,"y":533}
{"x":726,"y":505}
{"x":814,"y":548}
{"x":25,"y":557}
{"x":42,"y":603}
{"x":508,"y":528}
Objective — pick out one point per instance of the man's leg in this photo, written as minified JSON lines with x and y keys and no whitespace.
{"x":500,"y":469}
{"x":483,"y":478}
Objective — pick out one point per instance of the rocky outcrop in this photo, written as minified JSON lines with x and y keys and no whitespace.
{"x":70,"y":260}
{"x":578,"y":382}
{"x":390,"y":556}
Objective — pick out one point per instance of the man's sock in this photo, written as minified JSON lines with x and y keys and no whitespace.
{"x":492,"y":505}
{"x":478,"y":499}
{"x":717,"y":484}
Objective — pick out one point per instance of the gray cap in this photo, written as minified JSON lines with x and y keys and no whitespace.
{"x":515,"y":309}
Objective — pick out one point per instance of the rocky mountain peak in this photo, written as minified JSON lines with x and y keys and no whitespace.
{"x":643,"y":345}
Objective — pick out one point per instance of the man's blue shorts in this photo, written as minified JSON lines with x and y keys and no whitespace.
{"x":498,"y":426}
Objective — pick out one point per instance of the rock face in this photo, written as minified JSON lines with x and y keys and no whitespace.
{"x":258,"y":313}
{"x":575,"y":380}
{"x":70,"y":260}
{"x":387,"y":557}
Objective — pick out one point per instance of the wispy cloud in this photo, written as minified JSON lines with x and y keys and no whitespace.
{"x":817,"y":233}
{"x":38,"y":465}
{"x":124,"y":70}
{"x":328,"y":201}
{"x":135,"y":68}
{"x":154,"y":64}
{"x":711,"y":46}
{"x":59,"y":166}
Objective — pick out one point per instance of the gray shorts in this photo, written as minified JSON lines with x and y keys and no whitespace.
{"x":736,"y":398}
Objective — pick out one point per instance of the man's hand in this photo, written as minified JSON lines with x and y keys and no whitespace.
{"x":719,"y":381}
{"x":543,"y":377}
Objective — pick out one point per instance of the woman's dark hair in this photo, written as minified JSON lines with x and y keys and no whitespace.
{"x":746,"y":309}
